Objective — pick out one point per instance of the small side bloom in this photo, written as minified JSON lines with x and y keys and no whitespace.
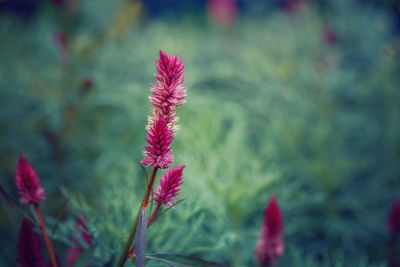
{"x":27,"y":183}
{"x":75,"y":252}
{"x":169,"y":187}
{"x":394,"y":219}
{"x":29,"y":249}
{"x":158,"y":154}
{"x":270,"y":244}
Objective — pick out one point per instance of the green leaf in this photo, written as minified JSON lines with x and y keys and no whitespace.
{"x":179,"y":260}
{"x":141,"y":238}
{"x":60,"y":213}
{"x":14,"y":204}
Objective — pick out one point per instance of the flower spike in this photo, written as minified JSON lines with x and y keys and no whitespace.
{"x":169,"y":187}
{"x":168,"y":92}
{"x":29,"y":249}
{"x":158,"y":154}
{"x":270,"y":244}
{"x":27,"y":183}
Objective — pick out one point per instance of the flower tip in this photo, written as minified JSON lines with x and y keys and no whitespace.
{"x":180,"y":168}
{"x":22,"y":158}
{"x":162,"y":54}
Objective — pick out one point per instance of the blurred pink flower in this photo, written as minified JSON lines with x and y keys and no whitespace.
{"x":168,"y":92}
{"x":60,"y":39}
{"x":222,"y":12}
{"x":329,"y":36}
{"x":28,"y":183}
{"x":57,"y":2}
{"x":29,"y":248}
{"x":158,"y":154}
{"x":394,"y":218}
{"x":294,"y":6}
{"x":270,"y":244}
{"x":169,"y":187}
{"x":74,"y":252}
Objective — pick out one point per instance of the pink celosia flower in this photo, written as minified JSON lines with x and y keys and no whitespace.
{"x":394,"y":218}
{"x":28,"y":183}
{"x":168,"y":92}
{"x":75,"y":252}
{"x":29,"y":248}
{"x":169,"y":187}
{"x":270,"y":244}
{"x":158,"y":154}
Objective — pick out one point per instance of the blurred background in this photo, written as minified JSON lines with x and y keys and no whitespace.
{"x":289,"y":98}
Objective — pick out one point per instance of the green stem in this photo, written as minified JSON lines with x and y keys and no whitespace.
{"x":46,"y":238}
{"x":154,"y":215}
{"x":145,"y":201}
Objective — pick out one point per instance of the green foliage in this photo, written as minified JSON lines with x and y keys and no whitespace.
{"x":271,"y":110}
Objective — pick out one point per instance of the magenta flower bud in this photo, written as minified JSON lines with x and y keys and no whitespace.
{"x":27,"y":183}
{"x":169,"y":187}
{"x":270,"y":244}
{"x":394,"y":219}
{"x":29,"y":249}
{"x":158,"y":154}
{"x":168,"y":92}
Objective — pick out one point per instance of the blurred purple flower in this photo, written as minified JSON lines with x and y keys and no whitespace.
{"x":158,"y":154}
{"x":222,"y":12}
{"x":394,"y":218}
{"x":329,"y":36}
{"x":169,"y":187}
{"x":58,"y":2}
{"x":74,"y":252}
{"x":270,"y":244}
{"x":27,"y":183}
{"x":29,"y":248}
{"x":294,"y":6}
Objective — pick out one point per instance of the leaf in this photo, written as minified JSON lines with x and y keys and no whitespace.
{"x":172,"y":206}
{"x":141,"y":239}
{"x":7,"y":197}
{"x":60,"y":213}
{"x":179,"y":260}
{"x":15,"y":205}
{"x":144,"y":170}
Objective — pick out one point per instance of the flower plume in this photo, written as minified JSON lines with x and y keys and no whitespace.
{"x":158,"y":154}
{"x":168,"y":92}
{"x":29,"y":249}
{"x":270,"y":244}
{"x":169,"y":187}
{"x":27,"y":183}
